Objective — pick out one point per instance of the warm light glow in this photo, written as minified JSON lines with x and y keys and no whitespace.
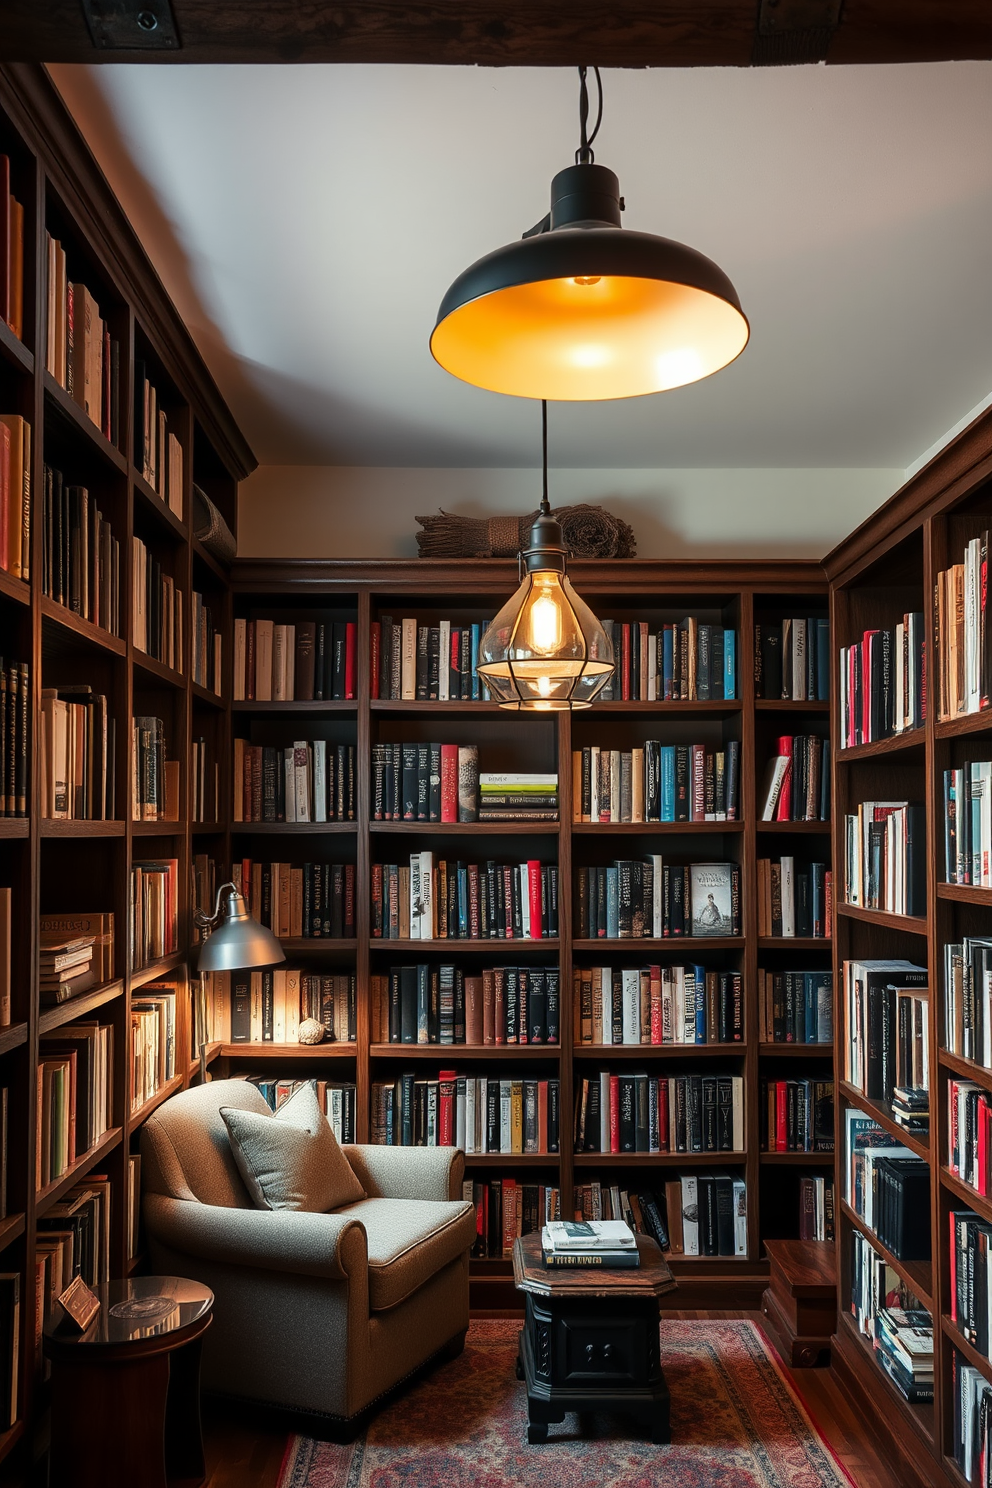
{"x":532,"y":340}
{"x":544,"y":686}
{"x":587,"y":279}
{"x":544,"y":621}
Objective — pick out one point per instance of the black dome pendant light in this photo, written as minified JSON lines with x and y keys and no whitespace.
{"x":581,"y":310}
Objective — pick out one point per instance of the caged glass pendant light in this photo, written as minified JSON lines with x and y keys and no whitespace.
{"x":545,"y":652}
{"x":581,"y":310}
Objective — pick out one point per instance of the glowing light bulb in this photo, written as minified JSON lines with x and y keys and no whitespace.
{"x":586,"y":279}
{"x":590,"y":356}
{"x":545,"y":624}
{"x":544,"y":686}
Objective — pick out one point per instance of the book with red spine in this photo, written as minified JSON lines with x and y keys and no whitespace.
{"x":511,"y":1203}
{"x":534,"y":885}
{"x":375,"y":654}
{"x":377,"y":903}
{"x":449,"y":782}
{"x":781,"y":1116}
{"x":350,"y":644}
{"x":983,"y":1144}
{"x":446,"y":1080}
{"x":664,"y":1136}
{"x":625,"y":664}
{"x":542,"y":1116}
{"x":784,"y":747}
{"x":657,"y":1034}
{"x":488,"y":1007}
{"x":499,"y":1005}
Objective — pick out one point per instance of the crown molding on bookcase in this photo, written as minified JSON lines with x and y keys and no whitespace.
{"x":953,"y":471}
{"x":32,"y":100}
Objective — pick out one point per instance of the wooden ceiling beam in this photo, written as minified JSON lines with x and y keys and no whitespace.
{"x":499,"y":33}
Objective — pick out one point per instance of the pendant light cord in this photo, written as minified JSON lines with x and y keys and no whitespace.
{"x":545,"y":507}
{"x":584,"y":155}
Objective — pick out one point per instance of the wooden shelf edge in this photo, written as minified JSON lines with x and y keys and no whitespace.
{"x":966,"y":723}
{"x":66,"y":1012}
{"x":52,"y":1192}
{"x":911,"y":1272}
{"x":263,"y":1050}
{"x":159,"y":507}
{"x":907,"y":924}
{"x":879,"y":1112}
{"x":15,"y":826}
{"x":82,"y":423}
{"x":451,"y":1053}
{"x":13,"y":1036}
{"x":142,"y":1113}
{"x":657,"y":1051}
{"x":653,"y":828}
{"x":911,"y":739}
{"x":158,"y":669}
{"x":145,"y":974}
{"x":965,"y":894}
{"x":11,"y":1229}
{"x":85,"y":629}
{"x":954,"y":1335}
{"x":458,"y":946}
{"x":687,"y":1160}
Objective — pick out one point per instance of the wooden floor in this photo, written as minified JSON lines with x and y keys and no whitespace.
{"x":242,"y":1455}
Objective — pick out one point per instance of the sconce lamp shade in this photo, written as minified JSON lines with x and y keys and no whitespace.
{"x":239,"y":942}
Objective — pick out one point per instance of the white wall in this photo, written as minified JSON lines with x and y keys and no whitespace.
{"x":300,"y":511}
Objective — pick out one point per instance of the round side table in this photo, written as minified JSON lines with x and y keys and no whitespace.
{"x":126,"y":1393}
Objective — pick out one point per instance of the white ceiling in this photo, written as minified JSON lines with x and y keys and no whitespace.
{"x":308,"y":219}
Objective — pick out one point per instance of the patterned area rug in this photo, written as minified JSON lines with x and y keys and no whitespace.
{"x":736,"y":1423}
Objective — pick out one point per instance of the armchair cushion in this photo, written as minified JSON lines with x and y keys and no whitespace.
{"x":291,"y":1160}
{"x":409,"y":1241}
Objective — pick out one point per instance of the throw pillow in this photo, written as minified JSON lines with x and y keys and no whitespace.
{"x":291,"y":1160}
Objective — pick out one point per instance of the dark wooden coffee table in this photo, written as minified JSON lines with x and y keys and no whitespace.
{"x":590,"y":1340}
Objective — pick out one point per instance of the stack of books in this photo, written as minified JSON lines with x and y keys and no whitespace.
{"x":609,"y":1243}
{"x":904,"y":1348}
{"x":66,"y":966}
{"x":518,"y":797}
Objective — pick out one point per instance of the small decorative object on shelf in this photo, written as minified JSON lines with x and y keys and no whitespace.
{"x":79,"y":1305}
{"x":587,"y":532}
{"x":311,"y":1032}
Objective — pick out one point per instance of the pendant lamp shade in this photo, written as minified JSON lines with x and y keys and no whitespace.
{"x":582,"y":310}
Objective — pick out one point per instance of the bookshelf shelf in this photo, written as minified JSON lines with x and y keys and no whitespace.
{"x":881,"y":1113}
{"x":920,"y":1416}
{"x":906,"y":924}
{"x":479,"y":947}
{"x":153,"y":503}
{"x":965,"y":894}
{"x":421,"y":709}
{"x":966,"y":1194}
{"x":302,"y":945}
{"x":916,"y":1274}
{"x":290,"y":1052}
{"x":655,"y":829}
{"x":968,"y":723}
{"x":790,"y":705}
{"x":212,"y":1052}
{"x":512,"y":1159}
{"x":157,"y":669}
{"x":452,"y":1053}
{"x":966,"y":1067}
{"x":659,"y":1160}
{"x":11,"y":1229}
{"x":205,"y":696}
{"x":142,"y":1112}
{"x":667,"y":943}
{"x":54,"y":827}
{"x":17,"y":826}
{"x":142,"y":975}
{"x":713,"y":707}
{"x":798,"y":1159}
{"x":14,"y":351}
{"x":794,"y":943}
{"x":85,"y":1162}
{"x":800,"y":828}
{"x":293,"y":829}
{"x":468,"y":829}
{"x":794,"y":1051}
{"x":204,"y":556}
{"x":14,"y":589}
{"x":67,"y":1012}
{"x":954,"y":1335}
{"x":81,"y":424}
{"x":13,"y":1037}
{"x":84,"y":629}
{"x":911,"y":739}
{"x":161,"y":828}
{"x":333,"y":707}
{"x":606,"y":1053}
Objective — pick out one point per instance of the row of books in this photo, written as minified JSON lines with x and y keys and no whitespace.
{"x":962,"y":637}
{"x":969,"y":1262}
{"x":15,"y":703}
{"x":885,"y":1022}
{"x":267,"y":1007}
{"x":796,"y":1115}
{"x":631,"y":1111}
{"x":692,"y":661}
{"x":158,"y":453}
{"x":154,"y":779}
{"x":15,"y":494}
{"x":797,"y":780}
{"x":78,"y":752}
{"x":73,"y":1239}
{"x":154,"y":932}
{"x":204,"y":783}
{"x":885,"y":857}
{"x":336,"y":1100}
{"x":889,"y":1315}
{"x":968,"y":824}
{"x":81,"y":557}
{"x":426,"y":1004}
{"x":636,"y":899}
{"x":427,"y":663}
{"x":153,"y":1040}
{"x":80,"y":353}
{"x":794,"y":902}
{"x":656,"y":782}
{"x":310,"y":781}
{"x":795,"y":1007}
{"x":792,"y":659}
{"x":311,"y":902}
{"x":442,"y":783}
{"x":968,"y":998}
{"x":207,"y":662}
{"x":971,"y":1427}
{"x":512,"y":1116}
{"x":90,"y":935}
{"x":75,"y":1085}
{"x":464,"y":901}
{"x":11,"y":255}
{"x":969,"y":1129}
{"x":888,"y":1187}
{"x":156,"y":609}
{"x":816,"y":1206}
{"x":505,"y":1209}
{"x":310,"y":660}
{"x":657,"y":1005}
{"x":883,"y":683}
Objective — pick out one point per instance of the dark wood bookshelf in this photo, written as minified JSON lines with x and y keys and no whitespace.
{"x":887,"y":566}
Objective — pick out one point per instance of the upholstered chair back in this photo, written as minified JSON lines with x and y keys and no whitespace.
{"x":185,"y":1151}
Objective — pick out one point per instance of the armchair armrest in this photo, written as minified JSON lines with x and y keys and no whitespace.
{"x":328,"y":1245}
{"x":408,"y":1172}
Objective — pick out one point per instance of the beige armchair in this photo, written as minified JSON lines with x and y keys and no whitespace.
{"x":320,"y":1314}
